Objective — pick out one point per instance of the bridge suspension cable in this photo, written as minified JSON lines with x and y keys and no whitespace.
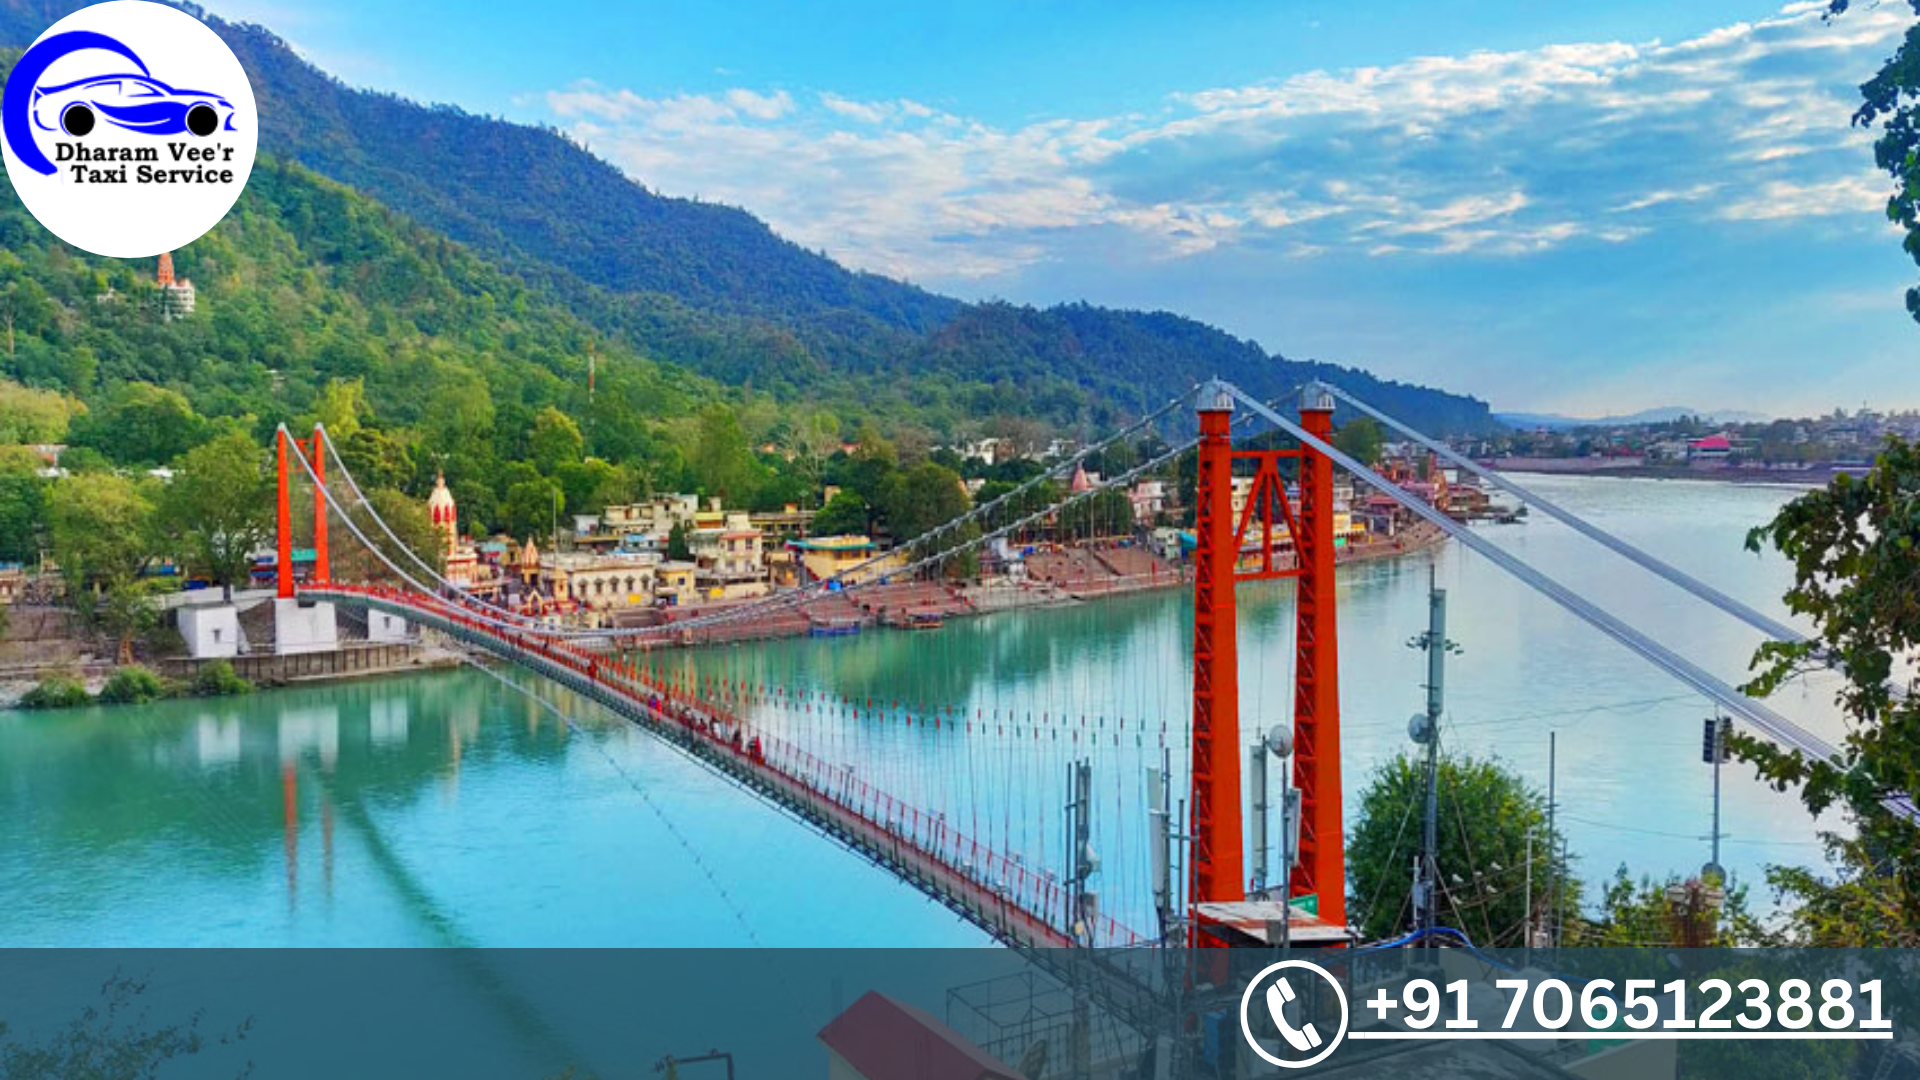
{"x":1753,"y":712}
{"x":782,"y":601}
{"x":514,"y":621}
{"x":1063,"y":467}
{"x":1758,"y":620}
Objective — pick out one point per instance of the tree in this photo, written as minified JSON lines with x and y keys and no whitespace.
{"x":1892,"y":99}
{"x":142,"y":424}
{"x":815,"y":439}
{"x":112,"y":1041}
{"x":1360,"y":439}
{"x":122,"y":609}
{"x":593,"y":485}
{"x":873,"y":461}
{"x":722,"y":462}
{"x":554,"y":441}
{"x":844,"y":515}
{"x":1486,"y":816}
{"x":1103,"y":513}
{"x":101,"y":530}
{"x":341,"y":406}
{"x":218,"y":509}
{"x":34,"y":416}
{"x":1019,"y":436}
{"x":23,"y":504}
{"x":376,"y":458}
{"x":678,"y":548}
{"x":532,"y":507}
{"x":1669,"y":913}
{"x":918,"y":499}
{"x":1855,"y":550}
{"x":409,"y":521}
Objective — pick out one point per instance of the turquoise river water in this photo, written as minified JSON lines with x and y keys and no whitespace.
{"x":446,"y":808}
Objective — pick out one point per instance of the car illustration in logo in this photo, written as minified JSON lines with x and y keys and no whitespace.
{"x":135,"y":102}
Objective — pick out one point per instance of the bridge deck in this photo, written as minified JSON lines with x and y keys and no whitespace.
{"x":1012,"y":902}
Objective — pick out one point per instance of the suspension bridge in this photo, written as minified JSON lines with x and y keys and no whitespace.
{"x":1004,"y":827}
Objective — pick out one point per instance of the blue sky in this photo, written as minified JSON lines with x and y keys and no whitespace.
{"x":1557,"y":206}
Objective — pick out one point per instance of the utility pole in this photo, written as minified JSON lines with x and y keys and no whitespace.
{"x":1713,"y":751}
{"x":1086,"y":904}
{"x":1526,"y":924}
{"x":1425,"y":731}
{"x":1553,"y":838}
{"x":1084,"y":862}
{"x":1160,"y":830}
{"x":1257,"y":820}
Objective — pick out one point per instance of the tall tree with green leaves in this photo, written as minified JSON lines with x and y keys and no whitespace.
{"x":408,"y":520}
{"x":1361,"y":439}
{"x":102,"y":530}
{"x":813,"y":438}
{"x":218,"y":509}
{"x":1855,"y":550}
{"x":142,"y":424}
{"x":342,"y":407}
{"x":917,"y":499}
{"x":722,"y":463}
{"x":679,"y":548}
{"x":844,"y":515}
{"x":1489,"y":819}
{"x":34,"y":416}
{"x":377,"y":458}
{"x":533,"y":508}
{"x":23,"y":505}
{"x":555,"y":441}
{"x":100,"y":526}
{"x":1891,"y":99}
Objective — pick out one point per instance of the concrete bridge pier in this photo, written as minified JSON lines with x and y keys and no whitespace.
{"x":301,"y":626}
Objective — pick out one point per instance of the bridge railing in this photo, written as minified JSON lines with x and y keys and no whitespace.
{"x":921,"y":837}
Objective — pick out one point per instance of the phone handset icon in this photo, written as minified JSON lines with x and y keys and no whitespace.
{"x":1302,"y":1038}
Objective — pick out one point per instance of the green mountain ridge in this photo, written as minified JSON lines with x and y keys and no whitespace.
{"x":714,"y":289}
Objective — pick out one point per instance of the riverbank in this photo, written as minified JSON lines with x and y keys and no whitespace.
{"x":1634,"y":469}
{"x":1048,"y":578}
{"x":79,"y":659}
{"x":44,"y":643}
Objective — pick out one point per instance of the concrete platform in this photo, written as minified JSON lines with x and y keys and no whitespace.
{"x":304,"y":628}
{"x":1257,"y":922}
{"x":211,"y":631}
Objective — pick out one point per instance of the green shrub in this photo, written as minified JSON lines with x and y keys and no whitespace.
{"x":218,"y":679}
{"x":56,"y":692}
{"x":132,"y":685}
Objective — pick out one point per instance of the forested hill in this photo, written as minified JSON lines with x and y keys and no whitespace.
{"x":713,"y":288}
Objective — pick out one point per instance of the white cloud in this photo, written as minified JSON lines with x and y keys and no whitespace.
{"x":1487,"y":154}
{"x":1785,"y":199}
{"x":1668,"y":195}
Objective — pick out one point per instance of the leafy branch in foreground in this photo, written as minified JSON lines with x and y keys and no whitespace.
{"x":1855,"y":550}
{"x":1892,"y":99}
{"x":112,"y":1041}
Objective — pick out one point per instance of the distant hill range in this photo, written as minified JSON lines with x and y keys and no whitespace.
{"x":714,"y":289}
{"x":1664,"y":415}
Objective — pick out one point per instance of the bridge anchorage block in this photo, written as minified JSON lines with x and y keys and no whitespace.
{"x":384,"y":628}
{"x":304,"y":627}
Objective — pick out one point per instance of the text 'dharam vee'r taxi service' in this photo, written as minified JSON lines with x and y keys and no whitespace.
{"x":130,"y":128}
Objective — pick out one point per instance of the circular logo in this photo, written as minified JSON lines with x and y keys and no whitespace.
{"x":129,"y":128}
{"x":1298,"y":1041}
